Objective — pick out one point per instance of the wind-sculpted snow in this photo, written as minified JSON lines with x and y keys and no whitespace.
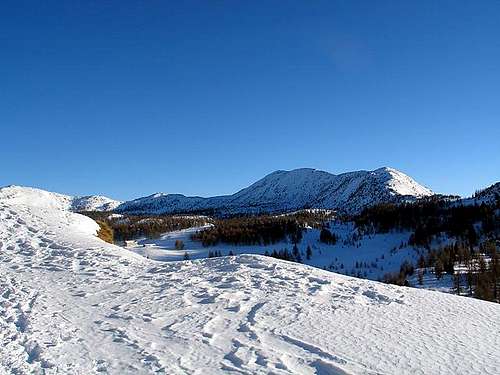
{"x":72,"y":304}
{"x":291,"y":190}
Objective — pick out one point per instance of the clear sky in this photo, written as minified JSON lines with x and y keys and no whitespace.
{"x":128,"y":98}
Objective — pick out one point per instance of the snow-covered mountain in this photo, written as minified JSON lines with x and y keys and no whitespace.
{"x":42,"y":198}
{"x":73,"y":304}
{"x":94,"y":203}
{"x":489,"y":195}
{"x":291,"y":190}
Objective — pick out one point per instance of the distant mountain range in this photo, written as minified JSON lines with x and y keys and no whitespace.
{"x":283,"y":191}
{"x":280,"y":191}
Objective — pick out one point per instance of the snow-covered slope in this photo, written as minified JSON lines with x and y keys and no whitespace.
{"x":94,"y":203}
{"x":291,"y":190}
{"x":38,"y":197}
{"x":72,"y":304}
{"x":488,"y":195}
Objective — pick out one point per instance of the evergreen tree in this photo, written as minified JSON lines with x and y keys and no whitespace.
{"x":308,"y":252}
{"x":456,"y":283}
{"x":296,"y":253}
{"x":420,"y":277}
{"x":438,"y":269}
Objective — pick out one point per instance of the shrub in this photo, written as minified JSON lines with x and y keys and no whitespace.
{"x":105,"y":232}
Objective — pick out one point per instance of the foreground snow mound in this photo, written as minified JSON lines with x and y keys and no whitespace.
{"x":41,"y":198}
{"x":72,"y":304}
{"x":291,"y":190}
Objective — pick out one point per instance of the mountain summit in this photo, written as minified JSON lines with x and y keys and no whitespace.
{"x":291,"y":190}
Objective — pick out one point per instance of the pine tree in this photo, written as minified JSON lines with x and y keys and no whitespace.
{"x":296,"y":253}
{"x":438,"y":269}
{"x":308,"y":252}
{"x":456,"y":282}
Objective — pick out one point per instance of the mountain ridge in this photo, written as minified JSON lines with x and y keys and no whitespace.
{"x":284,"y":190}
{"x":40,"y":197}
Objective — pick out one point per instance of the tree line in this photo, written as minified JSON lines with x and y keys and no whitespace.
{"x":259,"y":230}
{"x":472,"y":234}
{"x":128,"y":227}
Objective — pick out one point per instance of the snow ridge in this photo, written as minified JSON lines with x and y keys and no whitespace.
{"x":42,"y":198}
{"x":291,"y":190}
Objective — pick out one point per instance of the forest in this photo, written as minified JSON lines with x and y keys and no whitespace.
{"x":261,"y":230}
{"x":471,"y":234}
{"x":127,"y":227}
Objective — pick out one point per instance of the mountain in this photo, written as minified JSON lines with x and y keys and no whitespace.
{"x":291,"y":190}
{"x":73,"y":304}
{"x":489,"y":195}
{"x":94,"y":203}
{"x":42,"y":198}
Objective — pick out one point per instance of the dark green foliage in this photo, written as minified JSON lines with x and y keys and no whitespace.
{"x":327,"y":237}
{"x":283,"y":254}
{"x":481,"y":277}
{"x":296,"y":253}
{"x":260,"y":230}
{"x":400,"y":278}
{"x":308,"y":252}
{"x":215,"y":254}
{"x":473,"y":229}
{"x":430,"y":217}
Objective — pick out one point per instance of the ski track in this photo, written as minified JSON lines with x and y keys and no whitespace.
{"x":71,"y":304}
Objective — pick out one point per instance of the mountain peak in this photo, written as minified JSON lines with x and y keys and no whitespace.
{"x":294,"y":189}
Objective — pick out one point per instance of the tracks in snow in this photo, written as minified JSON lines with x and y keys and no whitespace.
{"x":72,"y":304}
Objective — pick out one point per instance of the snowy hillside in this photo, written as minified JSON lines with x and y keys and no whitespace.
{"x":38,"y":197}
{"x":488,"y":195}
{"x":371,"y":256}
{"x":72,"y":304}
{"x":94,"y":203}
{"x":291,"y":190}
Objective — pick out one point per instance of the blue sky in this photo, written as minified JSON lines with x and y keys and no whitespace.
{"x":205,"y":97}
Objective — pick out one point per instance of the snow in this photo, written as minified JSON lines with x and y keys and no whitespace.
{"x":487,"y":196}
{"x":94,"y":203}
{"x":70,"y":303}
{"x":381,"y":250}
{"x":369,"y":256}
{"x":283,"y":191}
{"x":42,"y":198}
